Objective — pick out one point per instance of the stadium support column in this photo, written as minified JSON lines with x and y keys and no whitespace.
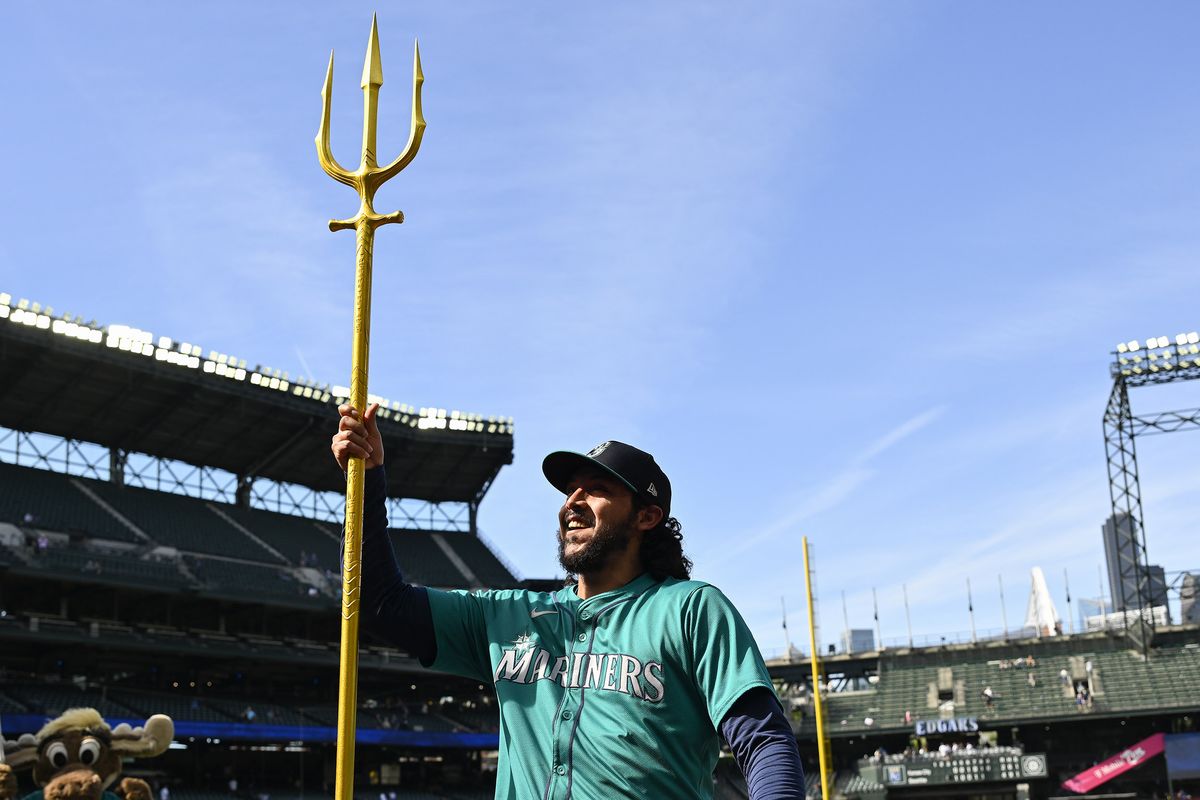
{"x":1126,"y":495}
{"x":116,"y":465}
{"x":241,"y":495}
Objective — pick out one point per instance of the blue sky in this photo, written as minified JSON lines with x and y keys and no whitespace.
{"x":851,"y":271}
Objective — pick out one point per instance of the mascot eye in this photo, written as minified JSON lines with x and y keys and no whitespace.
{"x":57,"y":755}
{"x":89,"y":751}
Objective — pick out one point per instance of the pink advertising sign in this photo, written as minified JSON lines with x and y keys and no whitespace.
{"x":1127,"y":759}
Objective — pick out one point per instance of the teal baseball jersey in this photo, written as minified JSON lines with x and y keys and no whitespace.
{"x":619,"y":695}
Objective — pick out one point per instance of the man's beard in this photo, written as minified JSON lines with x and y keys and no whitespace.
{"x":607,"y":540}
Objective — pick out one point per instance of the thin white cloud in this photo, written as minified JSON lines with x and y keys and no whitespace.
{"x":837,"y":489}
{"x":900,"y":433}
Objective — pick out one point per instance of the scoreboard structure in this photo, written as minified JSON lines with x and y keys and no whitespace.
{"x":959,"y":769}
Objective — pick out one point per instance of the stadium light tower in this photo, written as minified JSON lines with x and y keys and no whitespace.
{"x":1159,"y":360}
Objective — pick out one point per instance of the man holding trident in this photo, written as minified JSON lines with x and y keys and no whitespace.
{"x":366,"y":180}
{"x":619,"y":686}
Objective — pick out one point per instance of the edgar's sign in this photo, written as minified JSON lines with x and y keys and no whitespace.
{"x":925,"y":727}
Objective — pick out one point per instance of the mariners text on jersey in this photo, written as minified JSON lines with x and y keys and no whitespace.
{"x":609,"y":672}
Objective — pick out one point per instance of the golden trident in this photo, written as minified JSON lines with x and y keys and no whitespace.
{"x":366,"y":180}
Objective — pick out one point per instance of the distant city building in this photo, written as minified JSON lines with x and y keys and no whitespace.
{"x":858,"y":640}
{"x":1120,"y":557}
{"x":1092,"y":608}
{"x":1189,"y":598}
{"x":1158,"y":587}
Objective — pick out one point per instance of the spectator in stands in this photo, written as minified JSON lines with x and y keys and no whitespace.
{"x":616,"y":536}
{"x":43,"y":544}
{"x":1064,"y":677}
{"x":164,"y":793}
{"x":249,"y":714}
{"x":988,"y":696}
{"x":29,"y":518}
{"x":1032,"y":680}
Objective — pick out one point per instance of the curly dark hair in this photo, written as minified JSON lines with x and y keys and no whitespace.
{"x":662,"y":549}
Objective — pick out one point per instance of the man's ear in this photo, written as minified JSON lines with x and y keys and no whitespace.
{"x":649,"y":518}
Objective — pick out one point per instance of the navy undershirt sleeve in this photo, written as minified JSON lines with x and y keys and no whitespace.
{"x":392,"y":609}
{"x":761,"y":739}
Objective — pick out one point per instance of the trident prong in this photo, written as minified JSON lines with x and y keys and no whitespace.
{"x":324,"y":152}
{"x":366,"y":180}
{"x":417,"y":129}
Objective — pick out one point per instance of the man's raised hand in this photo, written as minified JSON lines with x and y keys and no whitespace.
{"x":357,"y":438}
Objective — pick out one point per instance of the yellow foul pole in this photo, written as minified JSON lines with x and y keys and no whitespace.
{"x":366,"y":180}
{"x":822,"y":742}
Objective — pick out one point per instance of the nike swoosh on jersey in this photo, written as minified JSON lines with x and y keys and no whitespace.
{"x":536,"y":614}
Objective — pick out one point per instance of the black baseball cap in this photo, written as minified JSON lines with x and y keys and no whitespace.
{"x":634,"y":468}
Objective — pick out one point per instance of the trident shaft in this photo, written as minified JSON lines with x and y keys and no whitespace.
{"x":366,"y":180}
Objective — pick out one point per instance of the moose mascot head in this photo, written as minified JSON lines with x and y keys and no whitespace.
{"x":78,"y":757}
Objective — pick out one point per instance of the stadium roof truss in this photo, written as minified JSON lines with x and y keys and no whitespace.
{"x":119,"y":404}
{"x":1158,"y":360}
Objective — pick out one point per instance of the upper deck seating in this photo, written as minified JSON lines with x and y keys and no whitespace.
{"x":423,"y":562}
{"x":185,"y":523}
{"x":296,"y":537}
{"x":481,"y":560}
{"x":54,"y":504}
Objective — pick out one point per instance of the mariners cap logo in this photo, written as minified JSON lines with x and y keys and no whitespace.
{"x":598,"y":449}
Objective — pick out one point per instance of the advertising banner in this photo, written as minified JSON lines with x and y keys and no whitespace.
{"x":1127,"y":759}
